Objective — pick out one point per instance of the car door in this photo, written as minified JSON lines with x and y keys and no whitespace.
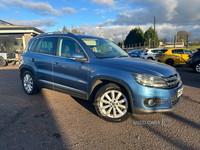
{"x":186,"y":54}
{"x":177,"y":56}
{"x":41,"y":59}
{"x":154,"y":52}
{"x":70,"y":76}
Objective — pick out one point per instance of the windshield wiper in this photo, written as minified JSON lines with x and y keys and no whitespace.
{"x":121,"y":56}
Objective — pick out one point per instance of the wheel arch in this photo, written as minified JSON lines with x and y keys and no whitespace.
{"x":25,"y":68}
{"x":97,"y":83}
{"x":169,"y":59}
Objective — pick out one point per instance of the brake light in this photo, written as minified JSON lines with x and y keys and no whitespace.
{"x":131,"y":55}
{"x":20,"y":56}
{"x":145,"y":53}
{"x":192,"y":55}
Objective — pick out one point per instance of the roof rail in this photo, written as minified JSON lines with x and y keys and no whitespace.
{"x":57,"y":32}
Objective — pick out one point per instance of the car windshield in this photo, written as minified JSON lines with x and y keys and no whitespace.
{"x":133,"y":51}
{"x":103,"y":48}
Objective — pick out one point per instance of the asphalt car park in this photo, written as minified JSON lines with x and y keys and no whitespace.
{"x":53,"y":120}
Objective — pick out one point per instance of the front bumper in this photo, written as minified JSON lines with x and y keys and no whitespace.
{"x":189,"y":63}
{"x":168,"y":99}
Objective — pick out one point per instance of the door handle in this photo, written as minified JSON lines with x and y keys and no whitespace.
{"x":56,"y":64}
{"x":33,"y":60}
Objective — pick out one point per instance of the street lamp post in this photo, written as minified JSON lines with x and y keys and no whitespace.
{"x":154,"y":31}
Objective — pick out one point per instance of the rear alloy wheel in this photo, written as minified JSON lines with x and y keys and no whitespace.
{"x":28,"y":83}
{"x":170,"y":62}
{"x":112,"y":103}
{"x":197,"y":67}
{"x":2,"y":62}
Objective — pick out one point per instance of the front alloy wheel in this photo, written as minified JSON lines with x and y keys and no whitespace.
{"x":111,"y":103}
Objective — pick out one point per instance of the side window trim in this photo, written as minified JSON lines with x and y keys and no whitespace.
{"x":39,"y":39}
{"x":33,"y":42}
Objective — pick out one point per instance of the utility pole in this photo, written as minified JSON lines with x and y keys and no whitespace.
{"x":149,"y":43}
{"x":122,"y":41}
{"x":154,"y":31}
{"x":101,"y":34}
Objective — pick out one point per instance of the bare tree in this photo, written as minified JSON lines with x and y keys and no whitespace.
{"x":182,"y":35}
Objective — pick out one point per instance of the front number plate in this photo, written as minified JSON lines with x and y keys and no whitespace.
{"x":180,"y":92}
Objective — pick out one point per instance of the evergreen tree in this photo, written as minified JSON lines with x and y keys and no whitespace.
{"x":135,"y":36}
{"x":149,"y":36}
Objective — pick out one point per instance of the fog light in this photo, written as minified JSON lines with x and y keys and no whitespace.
{"x":149,"y":102}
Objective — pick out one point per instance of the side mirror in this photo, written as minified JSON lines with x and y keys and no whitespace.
{"x":78,"y":57}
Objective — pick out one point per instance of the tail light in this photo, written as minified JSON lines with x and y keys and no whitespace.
{"x":131,"y":55}
{"x":20,"y":56}
{"x":145,"y":53}
{"x":192,"y":55}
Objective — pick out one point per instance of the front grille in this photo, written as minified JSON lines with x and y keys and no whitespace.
{"x":175,"y":100}
{"x":172,"y":80}
{"x":12,"y":55}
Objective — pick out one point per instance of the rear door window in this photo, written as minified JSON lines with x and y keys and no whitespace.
{"x":187,"y":52}
{"x":178,"y":51}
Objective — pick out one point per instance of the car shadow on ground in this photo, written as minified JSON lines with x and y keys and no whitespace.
{"x":86,"y":104}
{"x":26,"y":122}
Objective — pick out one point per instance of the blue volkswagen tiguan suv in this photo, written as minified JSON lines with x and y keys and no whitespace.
{"x":96,"y":69}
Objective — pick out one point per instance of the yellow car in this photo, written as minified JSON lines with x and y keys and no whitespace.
{"x":173,"y":56}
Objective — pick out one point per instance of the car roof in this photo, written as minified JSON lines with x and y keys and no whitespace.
{"x":67,"y":34}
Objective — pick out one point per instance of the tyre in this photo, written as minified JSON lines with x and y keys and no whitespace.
{"x":2,"y":62}
{"x":150,"y":58}
{"x":13,"y":62}
{"x":112,"y":103}
{"x":29,"y":84}
{"x":170,"y":62}
{"x":197,"y":67}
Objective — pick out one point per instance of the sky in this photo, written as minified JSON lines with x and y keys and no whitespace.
{"x":114,"y":17}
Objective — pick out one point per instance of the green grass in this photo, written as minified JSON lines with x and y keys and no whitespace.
{"x":193,"y":48}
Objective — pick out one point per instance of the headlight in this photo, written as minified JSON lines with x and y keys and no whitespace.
{"x":151,"y":81}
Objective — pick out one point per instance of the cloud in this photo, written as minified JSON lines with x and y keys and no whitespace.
{"x":83,"y":9}
{"x":3,"y":6}
{"x":107,"y":22}
{"x":43,"y":28}
{"x":47,"y":22}
{"x":40,"y":7}
{"x":103,"y":2}
{"x":100,"y":11}
{"x":140,"y":12}
{"x":115,"y":32}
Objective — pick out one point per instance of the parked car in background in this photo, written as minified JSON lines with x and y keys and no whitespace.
{"x":150,"y":53}
{"x":117,"y":84}
{"x":173,"y":56}
{"x":7,"y":57}
{"x":135,"y":53}
{"x":194,"y":61}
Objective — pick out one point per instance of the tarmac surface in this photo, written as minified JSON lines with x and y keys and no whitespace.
{"x":53,"y":120}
